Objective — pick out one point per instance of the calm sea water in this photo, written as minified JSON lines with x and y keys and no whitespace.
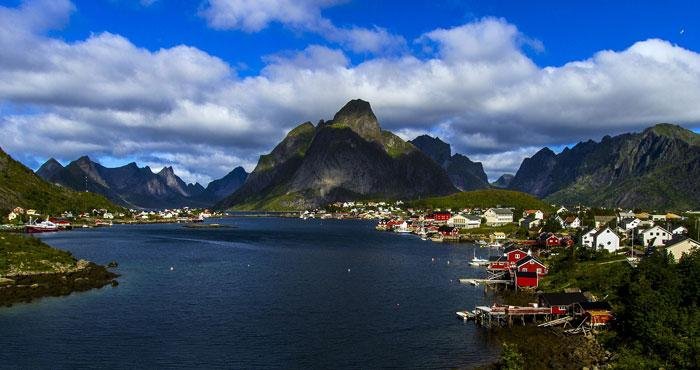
{"x":284,"y":293}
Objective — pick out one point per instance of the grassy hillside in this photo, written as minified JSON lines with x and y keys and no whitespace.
{"x":482,"y":199}
{"x":24,"y":254}
{"x":20,"y":187}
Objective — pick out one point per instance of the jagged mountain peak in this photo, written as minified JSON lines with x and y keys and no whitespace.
{"x":358,"y":116}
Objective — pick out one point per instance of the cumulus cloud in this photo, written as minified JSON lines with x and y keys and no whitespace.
{"x":304,"y":15}
{"x":472,"y":85}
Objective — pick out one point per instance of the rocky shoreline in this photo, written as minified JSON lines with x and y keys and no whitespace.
{"x":25,"y":287}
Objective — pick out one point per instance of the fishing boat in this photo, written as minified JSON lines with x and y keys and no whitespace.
{"x":40,"y":227}
{"x":102,"y":223}
{"x":475,"y":261}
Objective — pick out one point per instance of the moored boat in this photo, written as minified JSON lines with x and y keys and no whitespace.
{"x":40,"y":227}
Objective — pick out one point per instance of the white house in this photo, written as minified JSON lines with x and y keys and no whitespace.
{"x":625,"y":214}
{"x":607,"y":239}
{"x":657,"y":218}
{"x":680,"y":230}
{"x":457,"y":221}
{"x":628,"y":224}
{"x":108,"y":216}
{"x":535,"y":213}
{"x":561,"y":210}
{"x":588,"y":239}
{"x":472,"y":222}
{"x":570,"y":222}
{"x":677,"y":248}
{"x":656,"y":236}
{"x":498,"y":216}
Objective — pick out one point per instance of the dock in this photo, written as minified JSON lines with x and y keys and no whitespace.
{"x":505,"y":315}
{"x":477,"y":282}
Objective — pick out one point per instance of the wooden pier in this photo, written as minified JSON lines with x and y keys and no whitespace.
{"x":505,"y":315}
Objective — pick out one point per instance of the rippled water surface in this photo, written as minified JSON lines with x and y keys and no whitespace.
{"x":269,"y":292}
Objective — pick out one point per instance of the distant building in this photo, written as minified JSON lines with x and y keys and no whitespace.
{"x":678,"y":246}
{"x":656,"y":236}
{"x":498,"y":216}
{"x":601,"y":221}
{"x":607,"y":239}
{"x":535,"y":213}
{"x":680,"y":230}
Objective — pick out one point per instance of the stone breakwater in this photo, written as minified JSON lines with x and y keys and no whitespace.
{"x":24,"y":287}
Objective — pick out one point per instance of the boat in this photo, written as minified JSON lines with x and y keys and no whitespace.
{"x":40,"y":227}
{"x":494,"y":245}
{"x":100,"y":223}
{"x":475,"y":261}
{"x":403,"y":228}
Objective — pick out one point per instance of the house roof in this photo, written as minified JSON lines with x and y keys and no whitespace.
{"x":502,"y":211}
{"x":570,"y":219}
{"x":676,"y":239}
{"x":561,"y":299}
{"x":531,"y":274}
{"x":527,"y":259}
{"x":511,"y":249}
{"x":603,"y":230}
{"x":589,"y":306}
{"x":655,"y":228}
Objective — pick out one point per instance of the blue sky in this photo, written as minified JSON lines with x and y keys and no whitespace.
{"x":205,"y":86}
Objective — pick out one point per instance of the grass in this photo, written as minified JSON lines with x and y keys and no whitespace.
{"x":482,"y":199}
{"x":485,"y":230}
{"x":20,"y":187}
{"x":19,"y":253}
{"x":602,"y":274}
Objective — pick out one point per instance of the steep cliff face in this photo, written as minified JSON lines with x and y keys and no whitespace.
{"x":464,"y":173}
{"x":346,"y":158}
{"x":657,"y":168}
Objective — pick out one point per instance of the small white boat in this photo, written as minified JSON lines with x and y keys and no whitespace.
{"x":475,"y":261}
{"x":495,"y":245}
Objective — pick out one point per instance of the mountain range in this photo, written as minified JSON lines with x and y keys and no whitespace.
{"x":139,"y":187}
{"x":21,"y":187}
{"x":464,"y":174}
{"x":348,"y":157}
{"x":657,"y":168}
{"x":351,"y":157}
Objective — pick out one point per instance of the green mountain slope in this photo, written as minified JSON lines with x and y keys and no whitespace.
{"x":482,"y":199}
{"x":20,"y":187}
{"x":657,"y":168}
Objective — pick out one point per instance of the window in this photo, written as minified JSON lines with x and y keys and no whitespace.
{"x":517,"y":255}
{"x":539,"y":270}
{"x":524,"y":269}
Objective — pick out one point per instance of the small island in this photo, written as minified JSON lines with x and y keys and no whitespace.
{"x":30,"y":269}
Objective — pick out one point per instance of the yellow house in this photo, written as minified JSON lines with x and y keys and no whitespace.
{"x":684,"y":246}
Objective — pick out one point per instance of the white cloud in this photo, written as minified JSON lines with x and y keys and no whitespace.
{"x":106,"y":97}
{"x":305,"y":15}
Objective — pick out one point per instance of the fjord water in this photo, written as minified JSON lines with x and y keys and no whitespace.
{"x":270,"y":292}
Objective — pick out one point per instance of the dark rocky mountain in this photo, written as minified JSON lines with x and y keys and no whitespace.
{"x":49,"y":169}
{"x":465,"y":174}
{"x":129,"y":185}
{"x":657,"y":168}
{"x":225,"y":186}
{"x":503,"y":182}
{"x":348,"y":157}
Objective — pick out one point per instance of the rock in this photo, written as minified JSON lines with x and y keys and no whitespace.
{"x":6,"y":281}
{"x":112,"y":264}
{"x":81,"y":264}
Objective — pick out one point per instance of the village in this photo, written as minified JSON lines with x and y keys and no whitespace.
{"x":520,"y":242}
{"x":34,"y":221}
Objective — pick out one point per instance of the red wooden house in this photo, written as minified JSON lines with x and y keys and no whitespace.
{"x":448,"y":231}
{"x":595,"y":313}
{"x":531,"y":264}
{"x":560,"y":303}
{"x":552,"y":241}
{"x":526,"y":279}
{"x":440,"y":216}
{"x":513,"y":255}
